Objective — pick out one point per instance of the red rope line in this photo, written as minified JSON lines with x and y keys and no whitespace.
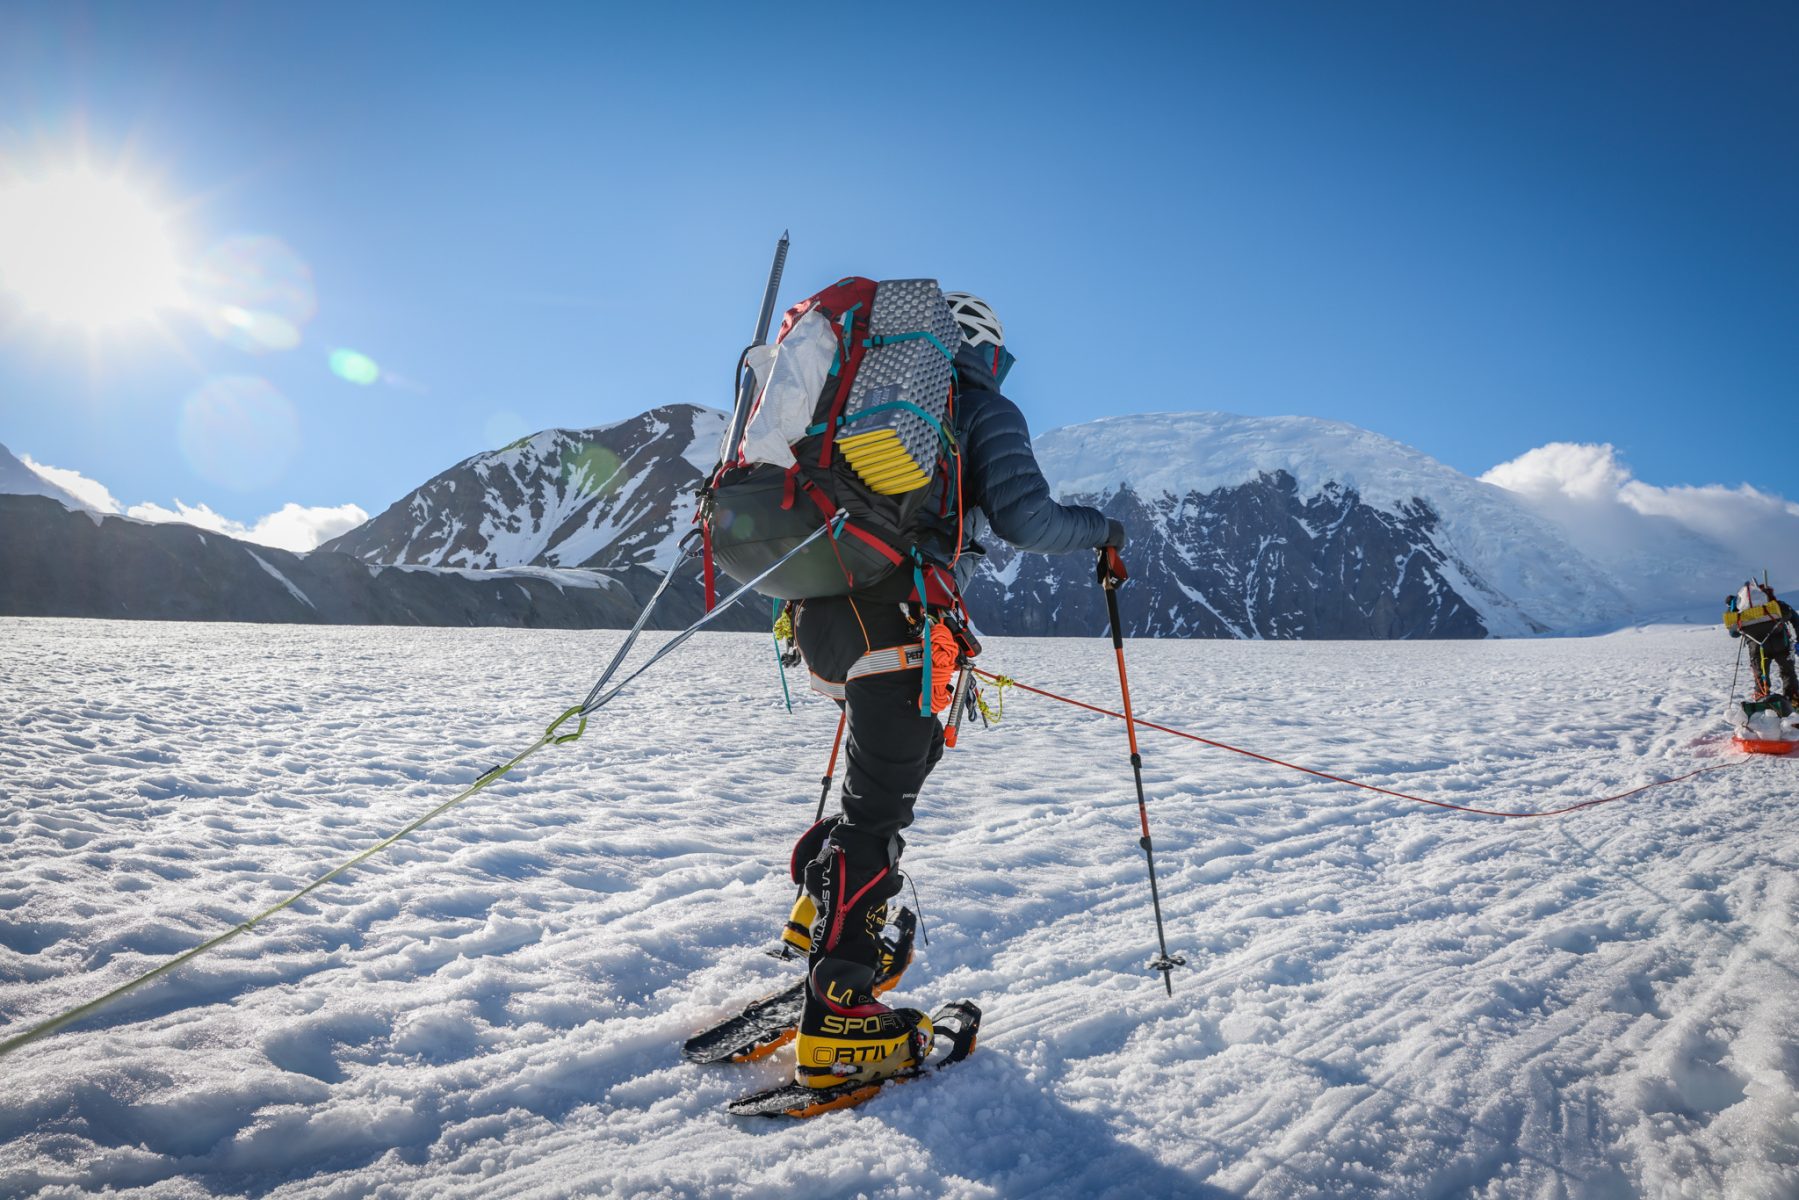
{"x":1367,"y":787}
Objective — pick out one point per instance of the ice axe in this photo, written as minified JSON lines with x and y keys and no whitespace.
{"x":746,"y":379}
{"x":1111,"y":575}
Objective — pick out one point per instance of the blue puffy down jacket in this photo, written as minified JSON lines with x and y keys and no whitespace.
{"x":1001,"y":480}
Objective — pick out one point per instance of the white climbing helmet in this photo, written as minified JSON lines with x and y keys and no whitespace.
{"x":980,"y":326}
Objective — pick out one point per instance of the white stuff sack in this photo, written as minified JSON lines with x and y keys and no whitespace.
{"x":792,"y":376}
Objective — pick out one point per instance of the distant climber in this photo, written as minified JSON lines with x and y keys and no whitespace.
{"x":1765,"y":621}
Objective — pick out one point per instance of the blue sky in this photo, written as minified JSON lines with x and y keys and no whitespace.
{"x":1476,"y":228}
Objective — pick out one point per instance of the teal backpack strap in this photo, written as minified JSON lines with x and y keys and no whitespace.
{"x":780,"y":663}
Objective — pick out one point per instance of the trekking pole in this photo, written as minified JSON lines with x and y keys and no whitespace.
{"x":824,"y":785}
{"x":824,"y":792}
{"x":1111,"y":574}
{"x":1734,"y":672}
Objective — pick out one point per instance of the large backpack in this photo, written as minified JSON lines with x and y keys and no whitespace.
{"x":853,"y":413}
{"x":1754,"y":611}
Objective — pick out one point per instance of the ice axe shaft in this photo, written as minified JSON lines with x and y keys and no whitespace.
{"x":958,"y":702}
{"x":746,"y":381}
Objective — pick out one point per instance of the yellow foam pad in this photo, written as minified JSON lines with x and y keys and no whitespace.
{"x":880,"y":459}
{"x":890,"y":483}
{"x":880,"y":443}
{"x":878,"y":456}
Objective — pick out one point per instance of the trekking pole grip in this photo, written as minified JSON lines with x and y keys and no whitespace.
{"x":1111,"y":571}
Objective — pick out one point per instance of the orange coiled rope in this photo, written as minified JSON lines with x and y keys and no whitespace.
{"x":1367,"y":787}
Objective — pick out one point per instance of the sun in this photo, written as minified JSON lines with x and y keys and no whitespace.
{"x":88,"y":249}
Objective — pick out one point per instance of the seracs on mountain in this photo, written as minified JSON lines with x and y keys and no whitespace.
{"x":1293,"y":527}
{"x":1249,"y":527}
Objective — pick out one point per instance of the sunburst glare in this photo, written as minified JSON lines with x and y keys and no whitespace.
{"x":89,"y":249}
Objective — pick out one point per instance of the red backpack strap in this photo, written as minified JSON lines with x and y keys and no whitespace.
{"x":711,"y":577}
{"x":852,"y":300}
{"x":940,"y":589}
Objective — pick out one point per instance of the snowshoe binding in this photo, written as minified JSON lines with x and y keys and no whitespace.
{"x":767,"y":1023}
{"x":862,"y":1062}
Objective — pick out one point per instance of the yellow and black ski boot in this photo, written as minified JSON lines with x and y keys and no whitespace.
{"x":846,"y":878}
{"x":847,"y":1037}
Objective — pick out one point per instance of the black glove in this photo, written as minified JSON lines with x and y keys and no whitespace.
{"x":1116,"y":537}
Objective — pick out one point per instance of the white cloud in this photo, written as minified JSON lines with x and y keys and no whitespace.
{"x":1569,"y":470}
{"x":298,"y":528}
{"x":294,"y":527}
{"x":1741,"y":514}
{"x":88,"y":491}
{"x":1672,"y":548}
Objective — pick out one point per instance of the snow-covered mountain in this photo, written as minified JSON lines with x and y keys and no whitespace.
{"x":1294,"y":527}
{"x":560,"y":530}
{"x":620,"y":495}
{"x":1241,"y":527}
{"x":1249,"y":527}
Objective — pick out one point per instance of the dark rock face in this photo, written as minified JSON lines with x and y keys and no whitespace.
{"x":607,"y":497}
{"x":59,"y":563}
{"x":1252,"y":561}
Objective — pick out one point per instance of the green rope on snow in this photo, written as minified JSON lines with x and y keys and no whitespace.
{"x":549,"y":737}
{"x":596,"y":698}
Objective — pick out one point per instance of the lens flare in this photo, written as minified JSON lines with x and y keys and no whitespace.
{"x":239,"y":432}
{"x":354,"y":367}
{"x":253,"y":292}
{"x":592,"y":471}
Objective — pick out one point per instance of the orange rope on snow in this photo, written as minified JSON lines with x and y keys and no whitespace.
{"x":1367,"y":787}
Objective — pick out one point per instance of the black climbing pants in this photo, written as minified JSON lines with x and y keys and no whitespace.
{"x":857,"y":652}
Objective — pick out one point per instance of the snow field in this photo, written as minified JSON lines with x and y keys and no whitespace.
{"x":1382,"y":998}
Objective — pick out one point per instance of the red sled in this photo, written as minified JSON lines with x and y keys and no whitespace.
{"x":1762,"y":745}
